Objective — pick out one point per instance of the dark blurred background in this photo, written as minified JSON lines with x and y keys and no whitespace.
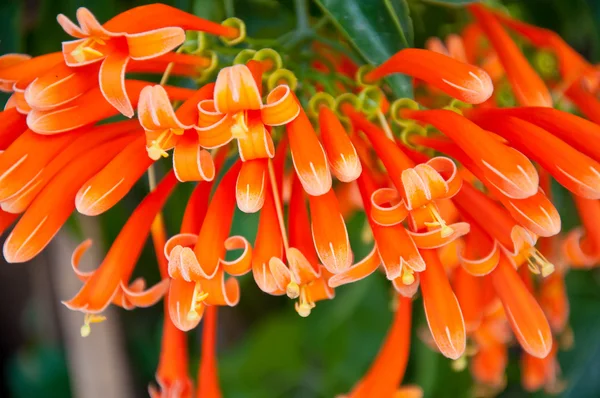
{"x":265,"y":349}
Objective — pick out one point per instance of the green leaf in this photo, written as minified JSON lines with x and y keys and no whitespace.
{"x":452,"y":3}
{"x":377,"y":28}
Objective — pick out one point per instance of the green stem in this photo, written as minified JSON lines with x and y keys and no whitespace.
{"x":229,"y":8}
{"x":302,"y":15}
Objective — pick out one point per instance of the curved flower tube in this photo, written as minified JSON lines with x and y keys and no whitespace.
{"x":528,"y":87}
{"x":504,"y":167}
{"x":442,"y":309}
{"x":13,"y":126}
{"x":49,"y":211}
{"x":524,"y":313}
{"x":116,"y":269}
{"x":387,"y":370}
{"x":460,"y":80}
{"x":17,"y":71}
{"x":571,"y":168}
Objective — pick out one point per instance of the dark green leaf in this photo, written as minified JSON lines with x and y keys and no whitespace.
{"x":377,"y":29}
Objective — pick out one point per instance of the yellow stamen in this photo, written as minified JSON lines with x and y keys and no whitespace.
{"x":292,"y":290}
{"x":438,"y":221}
{"x":538,"y":264}
{"x":408,"y":276}
{"x":240,"y":128}
{"x":156,"y":150}
{"x":85,"y":51}
{"x":304,"y":304}
{"x":459,"y":364}
{"x":198,"y":298}
{"x":88,"y":320}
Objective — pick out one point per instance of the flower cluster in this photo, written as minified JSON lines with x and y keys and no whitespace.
{"x":455,"y":187}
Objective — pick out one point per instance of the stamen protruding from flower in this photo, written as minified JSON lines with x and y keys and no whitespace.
{"x":408,"y":276}
{"x":439,"y":221}
{"x":538,"y":264}
{"x":460,"y":364}
{"x":240,"y":128}
{"x":86,"y":51}
{"x":197,"y":300}
{"x":156,"y":151}
{"x":88,"y":320}
{"x":304,"y":305}
{"x":292,"y":290}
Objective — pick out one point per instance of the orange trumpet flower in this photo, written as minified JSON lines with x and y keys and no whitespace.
{"x":442,"y":309}
{"x":523,"y":312}
{"x":341,"y":154}
{"x":208,"y":378}
{"x":504,"y":167}
{"x":109,"y":282}
{"x":386,"y":372}
{"x":571,"y":168}
{"x":528,"y":87}
{"x":126,"y":37}
{"x":581,"y":247}
{"x":460,"y":80}
{"x":237,"y":112}
{"x":13,"y":126}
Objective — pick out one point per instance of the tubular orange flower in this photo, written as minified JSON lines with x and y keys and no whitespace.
{"x":385,"y":374}
{"x":18,"y":70}
{"x":89,"y":108}
{"x":559,"y":123}
{"x":37,"y":179}
{"x":537,"y":373}
{"x":237,"y":112}
{"x":468,"y":293}
{"x":460,"y":80}
{"x":308,"y":156}
{"x":442,"y":310}
{"x":124,"y":38}
{"x":329,"y":233}
{"x":251,"y":185}
{"x":110,"y":279}
{"x":524,"y":313}
{"x":528,"y":87}
{"x":418,"y":186}
{"x":341,"y":154}
{"x":574,"y":170}
{"x":504,"y":167}
{"x":208,"y":379}
{"x":536,"y":213}
{"x":573,"y":67}
{"x":587,"y":102}
{"x":49,"y":210}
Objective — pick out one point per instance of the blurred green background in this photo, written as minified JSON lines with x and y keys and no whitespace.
{"x":265,"y":349}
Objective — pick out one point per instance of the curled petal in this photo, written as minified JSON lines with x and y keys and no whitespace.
{"x":154,"y":43}
{"x":439,"y":237}
{"x":358,"y":271}
{"x":281,"y":107}
{"x":574,"y":252}
{"x":112,"y":82}
{"x":155,"y":111}
{"x":256,"y":143}
{"x":236,"y":90}
{"x":214,"y":128}
{"x":146,"y":298}
{"x":221,"y":291}
{"x":446,"y":169}
{"x":76,"y":258}
{"x":281,"y":274}
{"x":191,"y":162}
{"x":243,"y":263}
{"x":179,"y":302}
{"x":387,"y":216}
{"x":300,"y":267}
{"x":184,"y":264}
{"x":481,"y":266}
